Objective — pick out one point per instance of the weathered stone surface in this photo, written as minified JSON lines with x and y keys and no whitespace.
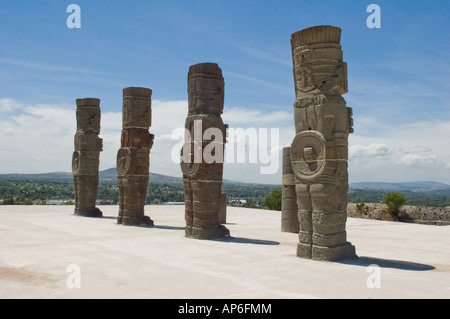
{"x":86,"y":157}
{"x":202,"y":177}
{"x":289,"y":208}
{"x":319,"y":151}
{"x":133,"y":158}
{"x":223,"y":209}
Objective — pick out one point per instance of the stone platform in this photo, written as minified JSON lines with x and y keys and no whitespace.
{"x":39,"y":243}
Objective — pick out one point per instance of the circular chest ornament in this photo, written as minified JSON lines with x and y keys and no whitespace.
{"x":123,"y":160}
{"x":76,"y":162}
{"x":308,"y":154}
{"x":189,"y":162}
{"x":190,"y":169}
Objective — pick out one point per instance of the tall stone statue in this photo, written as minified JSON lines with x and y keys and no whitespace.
{"x":85,"y":160}
{"x":133,"y":158}
{"x":319,"y":151}
{"x":203,"y":152}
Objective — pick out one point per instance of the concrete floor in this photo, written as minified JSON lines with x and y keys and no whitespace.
{"x":40,"y":244}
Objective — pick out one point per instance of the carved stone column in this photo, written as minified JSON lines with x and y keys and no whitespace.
{"x":85,"y":160}
{"x":133,"y":158}
{"x":319,"y":150}
{"x":203,"y":152}
{"x":289,"y":208}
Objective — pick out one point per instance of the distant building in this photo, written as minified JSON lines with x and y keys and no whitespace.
{"x":55,"y":202}
{"x":237,"y":202}
{"x":174,"y":203}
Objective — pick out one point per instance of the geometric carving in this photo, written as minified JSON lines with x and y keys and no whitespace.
{"x":190,"y":169}
{"x":308,"y":154}
{"x":123,"y":160}
{"x":76,"y":158}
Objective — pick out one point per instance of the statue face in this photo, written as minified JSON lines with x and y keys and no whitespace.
{"x":309,"y":154}
{"x":137,"y":113}
{"x":206,"y":96}
{"x":88,"y":120}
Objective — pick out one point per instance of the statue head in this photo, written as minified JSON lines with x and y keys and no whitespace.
{"x":205,"y":89}
{"x":137,"y":108}
{"x":88,"y":115}
{"x":317,"y":58}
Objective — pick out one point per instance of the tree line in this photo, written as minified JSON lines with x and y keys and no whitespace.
{"x":437,"y":198}
{"x":32,"y":192}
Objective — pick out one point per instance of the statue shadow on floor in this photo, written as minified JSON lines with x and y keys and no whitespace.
{"x":243,"y":240}
{"x":365,"y":261}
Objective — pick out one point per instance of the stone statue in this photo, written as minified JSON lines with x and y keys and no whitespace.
{"x":202,"y":176}
{"x":319,"y":151}
{"x":133,"y":158}
{"x":85,"y":160}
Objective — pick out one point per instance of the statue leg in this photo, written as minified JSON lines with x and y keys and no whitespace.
{"x":206,"y":206}
{"x":329,"y":218}
{"x":289,"y":210}
{"x":86,"y":195}
{"x":120,"y":199}
{"x":188,"y":202}
{"x":75,"y":191}
{"x":134,"y":195}
{"x":304,"y":246}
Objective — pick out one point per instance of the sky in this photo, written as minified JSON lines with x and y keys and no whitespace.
{"x":398,"y":79}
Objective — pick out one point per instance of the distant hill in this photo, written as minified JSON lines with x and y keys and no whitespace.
{"x":55,"y":175}
{"x":105,"y":175}
{"x":111,"y":175}
{"x":412,"y":186}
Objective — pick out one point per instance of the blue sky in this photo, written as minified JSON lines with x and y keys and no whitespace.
{"x":399,"y":83}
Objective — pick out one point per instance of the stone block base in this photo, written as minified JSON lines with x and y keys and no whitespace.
{"x":336,"y":253}
{"x":289,"y":226}
{"x":91,"y":212}
{"x":135,"y":221}
{"x":207,"y":233}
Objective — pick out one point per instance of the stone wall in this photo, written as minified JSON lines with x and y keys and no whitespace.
{"x":412,"y":214}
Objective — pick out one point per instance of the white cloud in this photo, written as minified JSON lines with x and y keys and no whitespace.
{"x":48,"y":67}
{"x":418,"y":160}
{"x":418,"y":151}
{"x":267,"y":85}
{"x":371,"y":151}
{"x":39,"y":138}
{"x":242,"y":117}
{"x":262,"y":54}
{"x":8,"y":105}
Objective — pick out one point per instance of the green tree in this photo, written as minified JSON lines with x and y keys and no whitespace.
{"x":273,"y":200}
{"x":394,"y":201}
